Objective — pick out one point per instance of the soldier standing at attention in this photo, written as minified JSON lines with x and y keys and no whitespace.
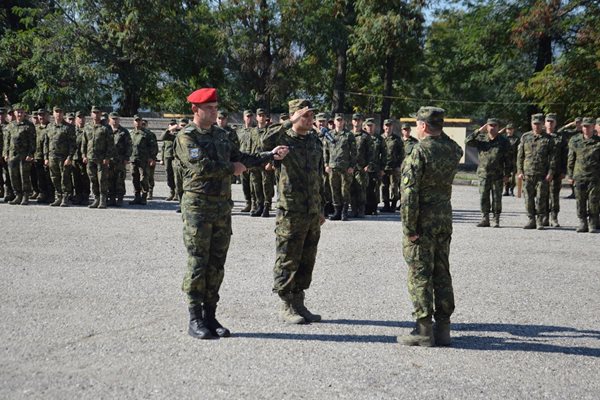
{"x":340,"y":159}
{"x":97,"y":148}
{"x":245,"y":139}
{"x":325,"y":136}
{"x":151,"y":165}
{"x":299,"y":210}
{"x":81,"y":180}
{"x":42,"y":173}
{"x":375,"y":170}
{"x":118,"y":166}
{"x":222,"y":122}
{"x":394,"y":155}
{"x":408,"y":140}
{"x":208,"y":159}
{"x":427,"y":175}
{"x":142,"y":156}
{"x":262,"y":178}
{"x":561,"y":147}
{"x":358,"y":188}
{"x":167,"y":155}
{"x":59,"y":147}
{"x":514,"y":140}
{"x":535,"y":166}
{"x":495,"y":165}
{"x":584,"y":172}
{"x":182,"y":123}
{"x":19,"y":151}
{"x":4,"y":177}
{"x":568,"y":131}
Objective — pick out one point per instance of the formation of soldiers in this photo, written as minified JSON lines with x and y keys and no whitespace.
{"x":538,"y":161}
{"x":59,"y":159}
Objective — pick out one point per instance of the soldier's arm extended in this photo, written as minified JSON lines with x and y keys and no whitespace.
{"x":84,"y":144}
{"x":411,"y":178}
{"x":271,"y":135}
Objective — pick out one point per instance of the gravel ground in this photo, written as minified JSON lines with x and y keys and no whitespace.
{"x":91,"y":308}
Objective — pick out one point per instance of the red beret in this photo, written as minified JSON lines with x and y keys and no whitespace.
{"x":204,"y":95}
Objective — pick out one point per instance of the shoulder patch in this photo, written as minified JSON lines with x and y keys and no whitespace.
{"x":194,"y":153}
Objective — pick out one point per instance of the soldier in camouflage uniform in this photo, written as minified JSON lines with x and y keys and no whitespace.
{"x":261,"y":178}
{"x":495,"y":165}
{"x":323,"y":132}
{"x":177,"y":171}
{"x":245,"y":139}
{"x":568,"y":131}
{"x":97,"y":148}
{"x":340,"y":160}
{"x":142,"y":156}
{"x":117,"y":171}
{"x":44,"y":184}
{"x":376,"y":165}
{"x":81,"y":180}
{"x":535,"y":166}
{"x":358,"y":188}
{"x":208,"y":159}
{"x":408,"y":140}
{"x":167,"y":155}
{"x":561,"y":147}
{"x":583,"y":169}
{"x":427,"y":175}
{"x":222,"y":122}
{"x":59,"y":147}
{"x":151,"y":165}
{"x":514,"y":140}
{"x":8,"y":194}
{"x":299,"y":210}
{"x":18,"y":153}
{"x":394,"y":155}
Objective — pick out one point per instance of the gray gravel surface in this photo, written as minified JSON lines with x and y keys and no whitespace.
{"x":91,"y":308}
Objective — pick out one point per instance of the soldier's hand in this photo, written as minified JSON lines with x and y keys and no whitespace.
{"x":413,"y":238}
{"x":280,"y":152}
{"x":298,"y":114}
{"x":84,"y":160}
{"x":520,"y":176}
{"x":381,"y":174}
{"x":328,"y":169}
{"x":105,"y":162}
{"x":152,"y":163}
{"x":67,"y":162}
{"x":162,"y":162}
{"x":28,"y":159}
{"x":269,"y":167}
{"x":571,"y":181}
{"x":366,"y":169}
{"x":548,"y":178}
{"x":350,"y":170}
{"x":322,"y":219}
{"x":238,"y":168}
{"x":46,"y":162}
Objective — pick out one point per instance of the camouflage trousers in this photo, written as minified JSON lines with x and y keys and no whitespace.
{"x":588,"y":199}
{"x":170,"y":173}
{"x":296,"y":250}
{"x":206,"y":235}
{"x":42,"y":177}
{"x":263,"y":185}
{"x":117,"y":171}
{"x":429,"y":279}
{"x":390,"y":185}
{"x":139,"y":175}
{"x":340,"y":182}
{"x":373,"y":190}
{"x":512,"y":181}
{"x":553,"y":202}
{"x":98,"y":173}
{"x":151,"y":169}
{"x":20,"y":175}
{"x":358,"y":190}
{"x":327,"y":198}
{"x":178,"y":172}
{"x":535,"y":191}
{"x":5,"y":177}
{"x":247,"y":188}
{"x":81,"y":180}
{"x":61,"y":176}
{"x":490,"y":188}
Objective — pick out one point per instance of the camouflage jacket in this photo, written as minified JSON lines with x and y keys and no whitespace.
{"x":377,"y":161}
{"x":167,"y":151}
{"x":79,"y":133}
{"x":426,"y":187}
{"x":20,"y":140}
{"x":561,"y":148}
{"x":363,"y":149}
{"x":143,"y":144}
{"x":256,"y":134}
{"x":536,"y":155}
{"x":495,"y":155}
{"x":394,"y":152}
{"x":245,"y":139}
{"x":409,"y":144}
{"x":232,"y":134}
{"x":342,"y":153}
{"x":584,"y":158}
{"x":60,"y":141}
{"x":98,"y":142}
{"x":300,"y":172}
{"x":40,"y":135}
{"x":123,"y":144}
{"x":514,"y":141}
{"x":206,"y":157}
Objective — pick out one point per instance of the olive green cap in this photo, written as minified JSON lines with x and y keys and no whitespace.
{"x":431,"y":115}
{"x":388,"y":121}
{"x":537,"y":118}
{"x":493,"y":121}
{"x":222,"y":114}
{"x":284,"y":116}
{"x":115,"y":115}
{"x":96,"y":109}
{"x":370,"y":121}
{"x":70,"y":115}
{"x":104,"y":115}
{"x":551,"y":117}
{"x":578,"y":119}
{"x":598,"y":121}
{"x":248,"y":112}
{"x":510,"y":126}
{"x":321,"y":117}
{"x":589,"y":121}
{"x":42,"y":111}
{"x":137,"y":117}
{"x":80,"y":114}
{"x":299,"y":104}
{"x":57,"y":109}
{"x":339,"y":116}
{"x":260,"y":111}
{"x":357,"y":116}
{"x":35,"y":113}
{"x":405,"y":125}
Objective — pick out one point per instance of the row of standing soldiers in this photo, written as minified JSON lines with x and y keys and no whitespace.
{"x":62,"y":161}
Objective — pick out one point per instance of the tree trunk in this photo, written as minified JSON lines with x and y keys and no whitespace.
{"x":388,"y":87}
{"x":339,"y":85}
{"x":265,"y":63}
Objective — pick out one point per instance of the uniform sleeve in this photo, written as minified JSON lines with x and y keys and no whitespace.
{"x":520,"y":158}
{"x":196,"y":159}
{"x":110,"y":144}
{"x":571,"y":158}
{"x":353,"y":150}
{"x":46,"y":142}
{"x":553,"y":155}
{"x":72,"y":137}
{"x":84,"y":143}
{"x":473,"y":139}
{"x":128,"y":146}
{"x":400,"y":150}
{"x":271,"y":136}
{"x":31,"y":137}
{"x":412,"y":173}
{"x":153,"y":145}
{"x":508,"y":158}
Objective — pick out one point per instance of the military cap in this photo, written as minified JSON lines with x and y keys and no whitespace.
{"x":493,"y":121}
{"x":115,"y":115}
{"x":357,"y":116}
{"x":299,"y":104}
{"x":284,"y":116}
{"x":405,"y":125}
{"x":80,"y":114}
{"x":510,"y":126}
{"x":42,"y":111}
{"x":17,"y":106}
{"x":370,"y":121}
{"x":70,"y":115}
{"x":431,"y":115}
{"x":104,"y":115}
{"x":339,"y":116}
{"x":588,"y":121}
{"x":222,"y":114}
{"x":96,"y":109}
{"x":57,"y":109}
{"x":173,"y":121}
{"x":248,"y":112}
{"x":551,"y":117}
{"x":321,"y":117}
{"x":260,"y":111}
{"x":537,"y":118}
{"x":578,"y":119}
{"x":136,"y":117}
{"x":203,"y":95}
{"x":35,"y":113}
{"x":388,"y":121}
{"x":598,"y":121}
{"x":183,"y":121}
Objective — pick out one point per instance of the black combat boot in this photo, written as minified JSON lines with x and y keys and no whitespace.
{"x":102,"y":203}
{"x":506,"y":191}
{"x":539,"y":222}
{"x":95,"y":203}
{"x":265,"y":213}
{"x":197,"y":327}
{"x":33,"y":196}
{"x":329,"y":209}
{"x":17,"y":199}
{"x":57,"y":200}
{"x":360,"y":212}
{"x":496,"y":223}
{"x":554,"y":220}
{"x":337,"y":214}
{"x":546,"y":220}
{"x":345,"y":212}
{"x":144,"y":199}
{"x":583,"y":225}
{"x":137,"y":199}
{"x":10,"y":196}
{"x":25,"y":200}
{"x":393,"y":204}
{"x":171,"y":196}
{"x":119,"y":202}
{"x":258,"y":212}
{"x":485,"y":221}
{"x":422,"y":335}
{"x":530,"y":223}
{"x":298,"y":305}
{"x":441,"y":333}
{"x":248,"y":207}
{"x":151,"y":194}
{"x":386,"y":207}
{"x":65,"y":201}
{"x":594,"y":225}
{"x":210,"y":321}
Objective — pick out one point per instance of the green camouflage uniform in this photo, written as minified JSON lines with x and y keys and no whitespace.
{"x":19,"y":144}
{"x":206,"y":158}
{"x":245,"y":141}
{"x":358,"y":188}
{"x":167,"y":155}
{"x":340,"y":156}
{"x":42,"y":182}
{"x":394,"y":156}
{"x":561,"y":148}
{"x":376,"y":165}
{"x":262,"y":181}
{"x":514,"y":141}
{"x":584,"y":168}
{"x":97,"y":145}
{"x":327,"y":198}
{"x":409,"y":144}
{"x":427,"y":175}
{"x":535,"y":160}
{"x":152,"y":167}
{"x":81,"y":180}
{"x":495,"y":164}
{"x":4,"y":174}
{"x":60,"y":145}
{"x":143,"y":150}
{"x":299,"y":208}
{"x":118,"y":168}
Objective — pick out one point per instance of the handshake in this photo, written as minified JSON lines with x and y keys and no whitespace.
{"x":278,"y":152}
